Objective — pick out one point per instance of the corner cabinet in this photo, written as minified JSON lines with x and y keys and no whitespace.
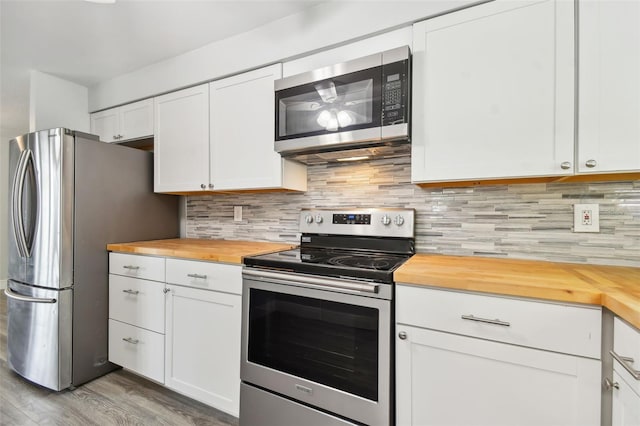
{"x":466,"y":358}
{"x":493,"y":92}
{"x":626,"y":375}
{"x":242,"y":111}
{"x":220,"y":137}
{"x":131,"y":121}
{"x":181,"y":144}
{"x":609,"y":86}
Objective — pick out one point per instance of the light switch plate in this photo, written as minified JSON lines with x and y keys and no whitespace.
{"x":586,"y":218}
{"x":237,"y":213}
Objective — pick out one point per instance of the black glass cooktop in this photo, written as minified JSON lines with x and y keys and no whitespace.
{"x":352,"y":264}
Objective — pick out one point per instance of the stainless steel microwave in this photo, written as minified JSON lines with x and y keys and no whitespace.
{"x":360,"y":105}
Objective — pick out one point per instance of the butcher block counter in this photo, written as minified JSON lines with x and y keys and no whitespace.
{"x":614,"y":287}
{"x":198,"y":249}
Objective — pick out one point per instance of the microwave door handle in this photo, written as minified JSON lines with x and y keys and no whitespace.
{"x":17,"y":218}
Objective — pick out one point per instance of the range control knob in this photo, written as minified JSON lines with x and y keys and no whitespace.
{"x":308,"y":219}
{"x":399,"y":220}
{"x":318,"y":218}
{"x":386,"y":220}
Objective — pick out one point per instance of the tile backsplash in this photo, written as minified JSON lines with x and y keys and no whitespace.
{"x":527,"y":221}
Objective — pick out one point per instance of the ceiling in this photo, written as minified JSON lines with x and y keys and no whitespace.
{"x":87,"y":43}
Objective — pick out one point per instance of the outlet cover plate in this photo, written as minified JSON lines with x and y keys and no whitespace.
{"x":237,"y":213}
{"x":586,"y":218}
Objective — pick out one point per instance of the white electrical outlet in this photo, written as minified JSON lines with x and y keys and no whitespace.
{"x":586,"y":218}
{"x":237,"y":213}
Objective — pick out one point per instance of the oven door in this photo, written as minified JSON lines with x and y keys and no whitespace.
{"x":329,"y":349}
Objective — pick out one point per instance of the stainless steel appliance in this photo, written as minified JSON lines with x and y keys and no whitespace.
{"x":70,"y":195}
{"x":317,"y":324}
{"x":358,"y":108}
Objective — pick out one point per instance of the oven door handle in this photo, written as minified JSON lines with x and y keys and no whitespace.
{"x":312,"y":282}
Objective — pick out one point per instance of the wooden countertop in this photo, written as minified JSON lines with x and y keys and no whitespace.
{"x":191,"y":248}
{"x":614,"y":287}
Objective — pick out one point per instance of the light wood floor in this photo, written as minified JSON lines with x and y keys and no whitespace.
{"x":119,"y":398}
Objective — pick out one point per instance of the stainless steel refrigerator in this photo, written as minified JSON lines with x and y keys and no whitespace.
{"x":69,"y":196}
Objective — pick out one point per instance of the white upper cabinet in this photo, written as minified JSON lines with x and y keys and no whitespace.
{"x":181,"y":144}
{"x":493,"y":92}
{"x":242,"y":155}
{"x":131,"y":121}
{"x":609,"y":86}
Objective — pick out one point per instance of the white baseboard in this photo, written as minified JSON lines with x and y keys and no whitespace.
{"x":3,"y":284}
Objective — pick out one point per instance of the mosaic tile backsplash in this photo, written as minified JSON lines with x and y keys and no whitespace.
{"x":526,"y":221}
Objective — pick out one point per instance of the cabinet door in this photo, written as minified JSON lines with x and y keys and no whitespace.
{"x":181,"y":144}
{"x":242,"y":132}
{"x":106,"y":125}
{"x":136,"y":120}
{"x":203,"y":346}
{"x":446,"y":379}
{"x":609,"y":86}
{"x":493,"y":92}
{"x":625,"y":404}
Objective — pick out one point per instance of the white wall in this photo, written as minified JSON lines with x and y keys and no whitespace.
{"x":54,"y":102}
{"x":324,"y":26}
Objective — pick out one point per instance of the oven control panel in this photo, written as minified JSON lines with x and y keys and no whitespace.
{"x":352,"y":219}
{"x":366,"y":222}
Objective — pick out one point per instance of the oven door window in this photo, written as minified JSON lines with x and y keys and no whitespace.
{"x":330,"y":343}
{"x":344,"y":103}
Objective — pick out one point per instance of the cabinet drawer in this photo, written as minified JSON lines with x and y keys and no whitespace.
{"x":137,"y":302}
{"x":139,"y":350}
{"x":205,"y":275}
{"x":626,"y":344}
{"x":131,"y":265}
{"x":552,"y":326}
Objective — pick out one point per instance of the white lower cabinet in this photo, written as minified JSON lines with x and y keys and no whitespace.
{"x":203,"y":346}
{"x":488,"y":370}
{"x":181,"y":330}
{"x":137,"y":349}
{"x":626,"y":375}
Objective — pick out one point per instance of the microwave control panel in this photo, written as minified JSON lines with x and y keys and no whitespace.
{"x":395,"y":93}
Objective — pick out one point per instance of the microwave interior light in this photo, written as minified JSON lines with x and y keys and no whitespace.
{"x":362,"y":157}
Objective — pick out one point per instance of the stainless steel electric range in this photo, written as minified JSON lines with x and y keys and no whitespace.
{"x":317,"y":324}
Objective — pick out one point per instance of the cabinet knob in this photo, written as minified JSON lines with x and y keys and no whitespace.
{"x":591,"y":163}
{"x":608,"y":384}
{"x":402,"y":335}
{"x":166,"y":290}
{"x":210,"y":186}
{"x":203,"y":186}
{"x":115,"y":137}
{"x":565,"y":165}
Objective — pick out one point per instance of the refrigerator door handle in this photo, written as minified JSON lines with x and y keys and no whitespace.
{"x":16,"y":296}
{"x":34,"y":195}
{"x":16,"y":198}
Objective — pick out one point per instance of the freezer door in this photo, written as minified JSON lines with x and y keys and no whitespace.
{"x":18,"y":149}
{"x":39,"y":334}
{"x":49,"y":207}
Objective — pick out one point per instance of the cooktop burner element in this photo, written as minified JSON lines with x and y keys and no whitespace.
{"x":360,"y":244}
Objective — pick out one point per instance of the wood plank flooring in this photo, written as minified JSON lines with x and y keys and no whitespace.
{"x":119,"y":398}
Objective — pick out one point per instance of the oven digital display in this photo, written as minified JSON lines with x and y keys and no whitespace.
{"x":352,"y":219}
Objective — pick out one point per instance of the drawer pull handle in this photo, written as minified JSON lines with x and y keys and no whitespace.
{"x":131,"y":267}
{"x":204,"y":277}
{"x":134,"y":292}
{"x":626,"y":362}
{"x":131,"y":340}
{"x":485,"y":320}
